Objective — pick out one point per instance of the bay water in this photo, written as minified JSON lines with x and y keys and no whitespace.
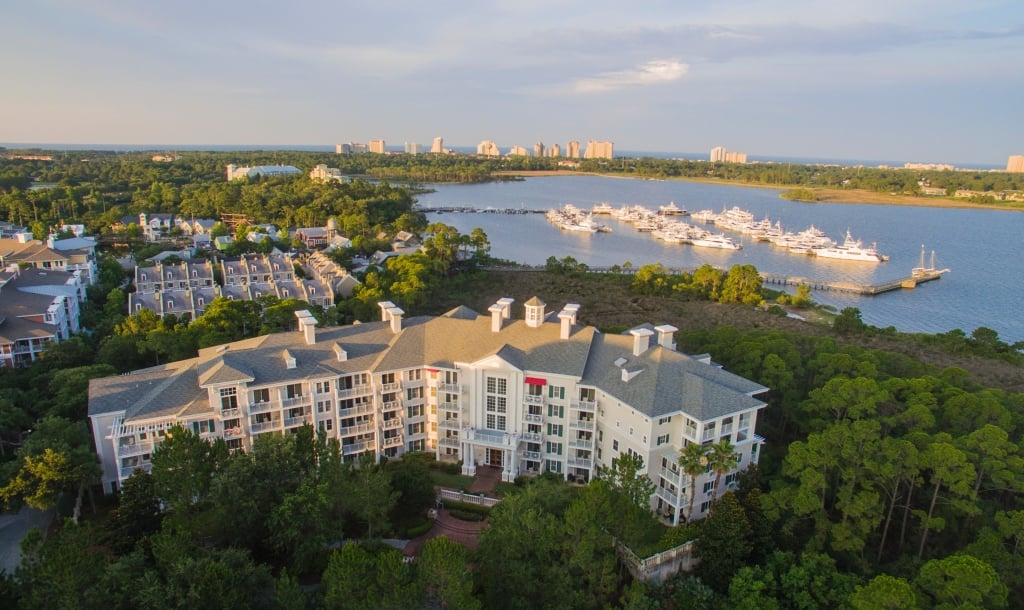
{"x":982,"y":248}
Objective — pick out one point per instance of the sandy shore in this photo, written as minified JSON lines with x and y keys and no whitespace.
{"x":823,"y":195}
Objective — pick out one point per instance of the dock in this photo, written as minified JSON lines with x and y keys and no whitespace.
{"x":917,"y":276}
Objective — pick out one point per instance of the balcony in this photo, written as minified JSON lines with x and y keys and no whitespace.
{"x":266,"y":426}
{"x":357,"y":429}
{"x":674,"y":498}
{"x":587,"y":406}
{"x":490,"y":437}
{"x":537,"y":419}
{"x":532,"y":436}
{"x":446,"y":441}
{"x":581,"y":444}
{"x":354,"y":411}
{"x":260,"y":407}
{"x":533,"y":400}
{"x":359,"y":390}
{"x":672,"y":477}
{"x":126,"y":471}
{"x":450,"y":406}
{"x":135,"y":448}
{"x":297,"y":401}
{"x":577,"y":462}
{"x":390,"y":387}
{"x":450,"y":424}
{"x":393,"y":441}
{"x":229,"y":413}
{"x":451,"y":388}
{"x":355,"y":448}
{"x":291,"y":422}
{"x":726,"y":430}
{"x":233,"y":432}
{"x":582,"y":424}
{"x":531,"y":455}
{"x":391,"y":424}
{"x":392,"y":405}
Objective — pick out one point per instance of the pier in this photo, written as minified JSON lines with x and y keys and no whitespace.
{"x":917,"y":276}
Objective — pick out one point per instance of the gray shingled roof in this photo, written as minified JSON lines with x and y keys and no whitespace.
{"x":160,"y":391}
{"x":668,"y":381}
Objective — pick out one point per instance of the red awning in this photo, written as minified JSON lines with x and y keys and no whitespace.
{"x":536,"y":381}
{"x":433,"y":371}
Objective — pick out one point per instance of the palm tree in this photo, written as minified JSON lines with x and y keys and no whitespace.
{"x":693,"y":459}
{"x":723,"y":458}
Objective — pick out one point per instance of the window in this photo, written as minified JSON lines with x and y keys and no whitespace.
{"x":555,"y":429}
{"x":704,"y":506}
{"x":414,"y":375}
{"x":555,"y":391}
{"x":556,"y":411}
{"x":663,"y":439}
{"x":323,"y":406}
{"x":664,"y":420}
{"x":204,"y":426}
{"x":554,"y":466}
{"x":327,"y":424}
{"x":387,"y":378}
{"x":554,"y":448}
{"x":451,"y":377}
{"x":414,"y":393}
{"x":323,"y":387}
{"x":414,"y":411}
{"x":587,"y":395}
{"x":495,"y":422}
{"x":496,"y":404}
{"x":261,"y":395}
{"x":293,"y":390}
{"x":709,"y":486}
{"x":416,"y":428}
{"x":229,"y":398}
{"x":497,"y":385}
{"x":534,"y":389}
{"x":615,"y":445}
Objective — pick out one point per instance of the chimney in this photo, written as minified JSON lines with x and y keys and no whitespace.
{"x":395,"y":315}
{"x":506,"y":307}
{"x":665,"y":334}
{"x":496,"y":315}
{"x":567,"y":317}
{"x":641,"y":340}
{"x":307,"y":325}
{"x":384,"y":307}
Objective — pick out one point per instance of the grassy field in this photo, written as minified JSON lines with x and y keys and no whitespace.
{"x":451,"y":481}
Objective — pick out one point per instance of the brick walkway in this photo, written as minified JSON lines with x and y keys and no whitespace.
{"x":485,"y":480}
{"x":466,"y":533}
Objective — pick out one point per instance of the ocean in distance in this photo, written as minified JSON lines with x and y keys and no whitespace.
{"x":984,"y":287}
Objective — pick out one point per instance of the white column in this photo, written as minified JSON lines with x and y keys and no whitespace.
{"x":468,"y":460}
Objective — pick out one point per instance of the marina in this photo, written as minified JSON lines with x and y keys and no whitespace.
{"x":975,"y":293}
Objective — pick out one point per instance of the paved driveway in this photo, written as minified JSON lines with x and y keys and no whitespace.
{"x":13,"y":527}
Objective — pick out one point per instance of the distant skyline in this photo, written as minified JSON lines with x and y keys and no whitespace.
{"x":937,"y":81}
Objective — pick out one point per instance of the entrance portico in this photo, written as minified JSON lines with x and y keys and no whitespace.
{"x":491,"y":448}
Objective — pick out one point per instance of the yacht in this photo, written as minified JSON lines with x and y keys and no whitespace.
{"x":715,"y":241}
{"x":672,"y":210}
{"x":851,"y":250}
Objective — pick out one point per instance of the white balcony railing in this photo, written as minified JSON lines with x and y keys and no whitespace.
{"x":354,"y":448}
{"x":577,"y":462}
{"x":587,"y":406}
{"x":296,"y":401}
{"x":450,"y":424}
{"x":490,"y":437}
{"x":291,"y":422}
{"x":533,"y":400}
{"x":260,"y":407}
{"x":359,"y":390}
{"x":581,"y":424}
{"x":233,"y":432}
{"x":136,"y":448}
{"x":446,"y":441}
{"x":127,"y":471}
{"x":357,"y":429}
{"x":449,"y":406}
{"x":532,"y":436}
{"x":581,"y":444}
{"x":266,"y":426}
{"x":530,"y":417}
{"x":229,"y":413}
{"x":451,"y":388}
{"x":358,"y":410}
{"x":393,"y":441}
{"x":390,"y":387}
{"x":709,"y":435}
{"x":391,"y":424}
{"x":674,"y":498}
{"x":391,"y":405}
{"x":531,"y":455}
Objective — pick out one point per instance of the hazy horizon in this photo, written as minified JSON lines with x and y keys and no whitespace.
{"x":928,"y":82}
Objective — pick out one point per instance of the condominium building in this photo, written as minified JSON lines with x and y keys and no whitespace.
{"x":599,"y":150}
{"x":572,"y":149}
{"x":1015,"y":164}
{"x":181,"y":289}
{"x":438,"y":146}
{"x":322,"y":173}
{"x":377,"y":147}
{"x":525,"y":396}
{"x":720,"y":155}
{"x":518,"y":151}
{"x":488,"y":149}
{"x":555,"y":151}
{"x":413,"y":148}
{"x":538,"y":149}
{"x":37,"y":308}
{"x":71,"y":255}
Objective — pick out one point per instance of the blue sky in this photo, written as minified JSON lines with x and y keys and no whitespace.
{"x":910,"y":80}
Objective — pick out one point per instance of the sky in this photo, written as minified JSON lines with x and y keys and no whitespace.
{"x":938,"y":81}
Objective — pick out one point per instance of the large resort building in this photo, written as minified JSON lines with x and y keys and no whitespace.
{"x":531,"y":395}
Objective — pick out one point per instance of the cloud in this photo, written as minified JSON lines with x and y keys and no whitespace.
{"x":651,"y":73}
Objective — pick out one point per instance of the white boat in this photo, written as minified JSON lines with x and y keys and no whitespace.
{"x":671,"y":210}
{"x":602,"y":208}
{"x":705,"y":216}
{"x":715,"y":241}
{"x":851,"y":250}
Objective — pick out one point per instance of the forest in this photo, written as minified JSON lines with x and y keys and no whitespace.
{"x":885,"y":482}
